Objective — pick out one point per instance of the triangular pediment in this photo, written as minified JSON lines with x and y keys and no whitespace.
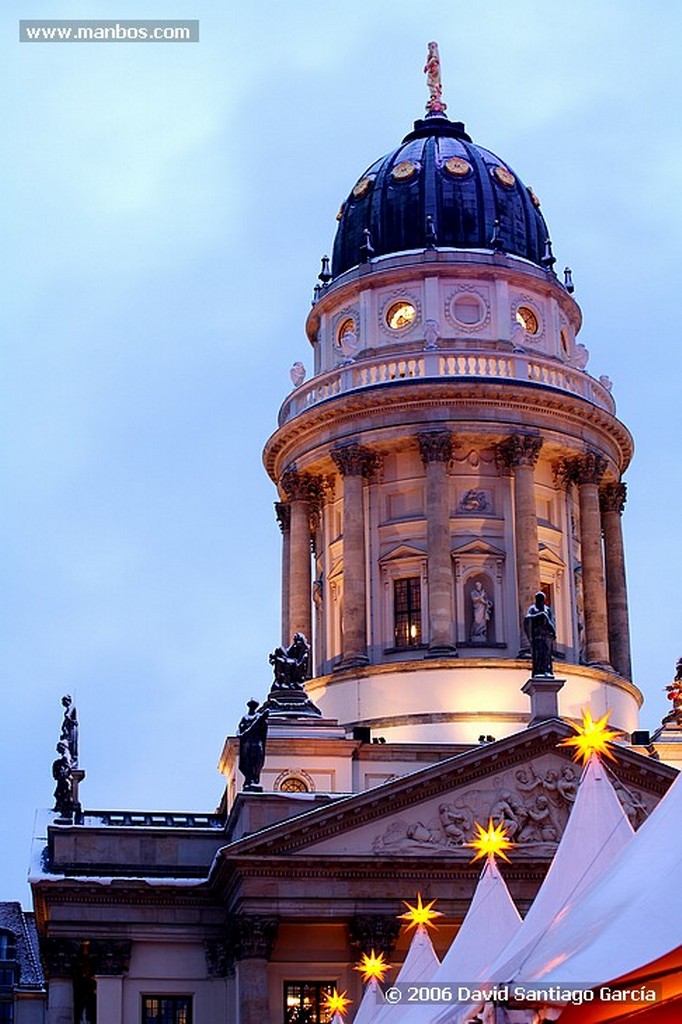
{"x":477,"y":547}
{"x":401,"y":551}
{"x":526,"y":780}
{"x":550,"y":557}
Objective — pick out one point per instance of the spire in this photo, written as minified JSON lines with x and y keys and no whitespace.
{"x":433,"y":81}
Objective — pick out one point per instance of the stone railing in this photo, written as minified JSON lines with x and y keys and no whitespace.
{"x":441,"y":365}
{"x":153,"y":819}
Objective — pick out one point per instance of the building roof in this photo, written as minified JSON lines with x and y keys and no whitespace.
{"x":439,"y":188}
{"x":22,"y":925}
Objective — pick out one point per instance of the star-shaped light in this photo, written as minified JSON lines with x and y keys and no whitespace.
{"x":372,"y":966}
{"x":592,"y":738}
{"x":336,"y":1002}
{"x":491,"y":841}
{"x":421,"y":914}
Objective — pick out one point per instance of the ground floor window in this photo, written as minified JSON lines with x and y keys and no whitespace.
{"x":407,"y":612}
{"x":166,"y":1010}
{"x":6,"y":1011}
{"x":303,"y":1002}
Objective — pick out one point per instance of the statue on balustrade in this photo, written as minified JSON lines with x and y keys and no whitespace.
{"x":69,"y":731}
{"x":61,"y":773}
{"x":541,"y":632}
{"x":253,"y":734}
{"x":291,"y":664}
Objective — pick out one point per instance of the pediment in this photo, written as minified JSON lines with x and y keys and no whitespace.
{"x":401,"y":551}
{"x":551,"y":557}
{"x":526,"y":780}
{"x":477,"y":547}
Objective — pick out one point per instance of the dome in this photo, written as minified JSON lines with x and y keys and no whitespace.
{"x":439,"y":189}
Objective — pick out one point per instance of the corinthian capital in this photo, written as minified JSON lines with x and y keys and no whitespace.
{"x":435,"y":446}
{"x":612,"y":498}
{"x":251,"y":936}
{"x":302,"y":486}
{"x":283,"y":514}
{"x":589,"y":468}
{"x":377,"y":932}
{"x":519,"y":450}
{"x":355,"y":459}
{"x":109,"y":956}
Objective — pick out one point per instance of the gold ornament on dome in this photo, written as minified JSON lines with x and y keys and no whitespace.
{"x":404,"y":170}
{"x":363,"y":187}
{"x":457,"y":166}
{"x":504,"y":176}
{"x":533,"y":198}
{"x":340,"y":213}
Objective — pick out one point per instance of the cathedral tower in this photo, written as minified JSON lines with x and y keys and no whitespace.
{"x":450,"y":455}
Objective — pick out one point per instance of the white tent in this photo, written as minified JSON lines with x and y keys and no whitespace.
{"x":419,"y":966}
{"x":370,"y":1004}
{"x":490,"y":923}
{"x":630,"y":916}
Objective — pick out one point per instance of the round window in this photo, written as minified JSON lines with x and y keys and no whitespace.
{"x":347,"y":326}
{"x":400,"y":315}
{"x":293,"y":784}
{"x":468,"y":309}
{"x":528,"y":319}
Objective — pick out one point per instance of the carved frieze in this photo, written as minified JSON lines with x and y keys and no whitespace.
{"x":355,"y":459}
{"x":612,"y":497}
{"x":435,"y":446}
{"x":475,"y":502}
{"x":519,"y":450}
{"x":377,"y":932}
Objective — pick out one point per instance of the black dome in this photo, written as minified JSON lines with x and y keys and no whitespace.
{"x":438,"y":188}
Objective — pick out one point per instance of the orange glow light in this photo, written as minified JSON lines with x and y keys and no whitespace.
{"x":337,"y":1003}
{"x":372,"y":966}
{"x":491,"y":841}
{"x":421,"y":914}
{"x":592,"y":738}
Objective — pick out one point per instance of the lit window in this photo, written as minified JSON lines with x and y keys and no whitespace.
{"x":407,"y":612}
{"x":293,"y":784}
{"x":528,"y":320}
{"x":400,"y":315}
{"x":166,"y":1010}
{"x":303,"y":1002}
{"x":347,"y":326}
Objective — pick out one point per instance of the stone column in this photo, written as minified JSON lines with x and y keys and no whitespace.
{"x":109,"y":961}
{"x":587,"y":471}
{"x":252,"y":939}
{"x":355,"y":463}
{"x":283,"y":513}
{"x":60,"y":957}
{"x":612,"y":498}
{"x":520,"y":453}
{"x":303,"y":490}
{"x":435,"y":447}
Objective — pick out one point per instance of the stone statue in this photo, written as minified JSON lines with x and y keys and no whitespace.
{"x":253,"y":733}
{"x":69,"y":732}
{"x":291,"y":664}
{"x":297,"y":374}
{"x":482,"y":607}
{"x":541,"y":632}
{"x":61,"y":773}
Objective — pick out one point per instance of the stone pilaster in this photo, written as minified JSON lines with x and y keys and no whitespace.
{"x":587,"y":471}
{"x":283,"y":513}
{"x":520,"y":453}
{"x":60,"y":958}
{"x":251,"y":939}
{"x":435,"y":447}
{"x":303,"y":491}
{"x":355,"y":463}
{"x":612,"y":499}
{"x":378,"y":932}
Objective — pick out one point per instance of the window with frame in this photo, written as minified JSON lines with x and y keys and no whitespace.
{"x":407,"y":612}
{"x":166,"y":1010}
{"x":8,"y":948}
{"x":303,"y":1002}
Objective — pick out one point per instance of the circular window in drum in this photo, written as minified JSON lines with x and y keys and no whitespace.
{"x":347,"y":326}
{"x":403,"y":171}
{"x":528,"y":319}
{"x":504,"y":176}
{"x":400,"y":315}
{"x":458,"y":167}
{"x":468,"y":309}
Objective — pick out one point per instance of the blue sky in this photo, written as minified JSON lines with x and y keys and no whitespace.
{"x":164,"y":210}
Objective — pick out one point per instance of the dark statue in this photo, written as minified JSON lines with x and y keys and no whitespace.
{"x":61,"y":773}
{"x":541,"y":632}
{"x":69,"y":733}
{"x":291,"y":664}
{"x":253,"y":734}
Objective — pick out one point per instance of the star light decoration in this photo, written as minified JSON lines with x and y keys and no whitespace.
{"x":336,"y":1002}
{"x":491,"y":841}
{"x":592,"y":738}
{"x":372,"y":966}
{"x":422,"y":914}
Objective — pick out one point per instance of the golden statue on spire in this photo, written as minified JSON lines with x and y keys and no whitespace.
{"x":432,"y":72}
